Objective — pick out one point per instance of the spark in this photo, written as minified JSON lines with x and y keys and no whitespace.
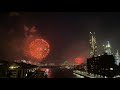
{"x":39,"y":49}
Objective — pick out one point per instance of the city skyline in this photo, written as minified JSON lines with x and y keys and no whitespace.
{"x":66,"y":32}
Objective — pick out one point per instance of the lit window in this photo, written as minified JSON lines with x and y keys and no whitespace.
{"x":13,"y":67}
{"x":26,"y":74}
{"x":111,"y":68}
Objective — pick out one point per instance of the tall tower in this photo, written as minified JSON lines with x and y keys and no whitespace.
{"x":108,"y":48}
{"x":93,"y":45}
{"x":117,"y":58}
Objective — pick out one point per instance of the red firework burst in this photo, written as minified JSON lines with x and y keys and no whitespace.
{"x":78,"y":60}
{"x":38,"y":48}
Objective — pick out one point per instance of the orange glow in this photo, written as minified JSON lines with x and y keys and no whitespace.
{"x":78,"y":60}
{"x":38,"y":49}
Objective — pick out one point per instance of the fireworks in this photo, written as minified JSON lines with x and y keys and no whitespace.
{"x":35,"y":48}
{"x":78,"y":60}
{"x":39,"y":48}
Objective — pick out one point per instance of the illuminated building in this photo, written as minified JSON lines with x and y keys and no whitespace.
{"x":15,"y":70}
{"x":102,"y":65}
{"x":20,"y":70}
{"x":107,"y":48}
{"x":117,"y":58}
{"x":93,"y":45}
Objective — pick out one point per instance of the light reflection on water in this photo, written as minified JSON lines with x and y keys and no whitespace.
{"x":58,"y":73}
{"x":49,"y":72}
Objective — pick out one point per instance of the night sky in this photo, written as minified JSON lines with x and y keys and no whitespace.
{"x":66,"y":32}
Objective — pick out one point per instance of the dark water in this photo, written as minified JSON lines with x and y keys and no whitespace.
{"x":58,"y":72}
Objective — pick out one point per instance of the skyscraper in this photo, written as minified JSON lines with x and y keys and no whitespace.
{"x":93,"y":45}
{"x":108,"y":48}
{"x":117,"y":58}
